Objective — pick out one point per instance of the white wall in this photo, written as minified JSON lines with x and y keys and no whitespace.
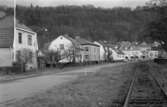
{"x":116,"y":56}
{"x":5,"y":57}
{"x":93,"y":53}
{"x":153,"y":54}
{"x":55,"y":44}
{"x":24,"y":45}
{"x":130,"y":53}
{"x":102,"y":51}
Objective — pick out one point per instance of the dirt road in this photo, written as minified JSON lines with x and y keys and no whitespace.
{"x":19,"y":89}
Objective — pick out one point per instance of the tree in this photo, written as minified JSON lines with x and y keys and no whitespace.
{"x":24,"y":56}
{"x":55,"y":56}
{"x":158,"y":29}
{"x":89,"y":22}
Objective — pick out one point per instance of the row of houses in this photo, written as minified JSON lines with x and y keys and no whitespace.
{"x":18,"y":43}
{"x":83,"y":50}
{"x":74,"y":49}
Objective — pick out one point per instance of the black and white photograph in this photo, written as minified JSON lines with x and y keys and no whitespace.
{"x":83,"y":53}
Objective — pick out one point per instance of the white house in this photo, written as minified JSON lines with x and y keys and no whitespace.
{"x":68,"y":47}
{"x":102,"y":50}
{"x":77,"y":49}
{"x":117,"y":55}
{"x":25,"y":38}
{"x":152,"y":54}
{"x":144,"y":46}
{"x":129,"y":54}
{"x":15,"y":39}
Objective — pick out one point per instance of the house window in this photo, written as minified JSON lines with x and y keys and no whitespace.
{"x":20,"y":38}
{"x":61,"y":46}
{"x":29,"y":40}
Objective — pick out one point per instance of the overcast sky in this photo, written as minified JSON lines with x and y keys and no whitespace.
{"x":101,"y":3}
{"x":9,"y":3}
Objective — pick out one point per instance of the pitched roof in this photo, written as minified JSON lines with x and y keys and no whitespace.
{"x":102,"y":43}
{"x":85,"y":42}
{"x":22,"y":26}
{"x":6,"y":32}
{"x":144,"y":44}
{"x":119,"y":51}
{"x":124,"y":45}
{"x":74,"y":42}
{"x":111,"y":45}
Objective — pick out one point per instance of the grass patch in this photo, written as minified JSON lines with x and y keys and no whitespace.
{"x":95,"y":90}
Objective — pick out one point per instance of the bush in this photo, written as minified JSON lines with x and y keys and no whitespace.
{"x":5,"y":70}
{"x":17,"y":68}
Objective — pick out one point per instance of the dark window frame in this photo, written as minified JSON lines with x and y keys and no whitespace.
{"x":62,"y":46}
{"x":30,"y":40}
{"x":20,"y":38}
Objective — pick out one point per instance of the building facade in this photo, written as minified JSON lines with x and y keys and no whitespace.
{"x":13,"y":40}
{"x":102,"y":51}
{"x":69,"y":48}
{"x":91,"y":52}
{"x":117,"y":55}
{"x":25,"y":41}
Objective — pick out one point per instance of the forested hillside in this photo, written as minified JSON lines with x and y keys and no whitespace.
{"x":158,"y":28}
{"x":92,"y":23}
{"x":7,"y":10}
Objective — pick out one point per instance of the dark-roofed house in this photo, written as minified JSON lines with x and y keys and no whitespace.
{"x":91,"y":51}
{"x":13,"y":40}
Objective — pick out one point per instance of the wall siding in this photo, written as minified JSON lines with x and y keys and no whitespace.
{"x":5,"y":57}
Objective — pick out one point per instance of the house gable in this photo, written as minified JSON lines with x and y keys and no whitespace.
{"x":55,"y":44}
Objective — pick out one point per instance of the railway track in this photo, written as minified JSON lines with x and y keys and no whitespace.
{"x":143,"y":90}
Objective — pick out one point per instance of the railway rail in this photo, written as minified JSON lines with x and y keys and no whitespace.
{"x":145,"y":89}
